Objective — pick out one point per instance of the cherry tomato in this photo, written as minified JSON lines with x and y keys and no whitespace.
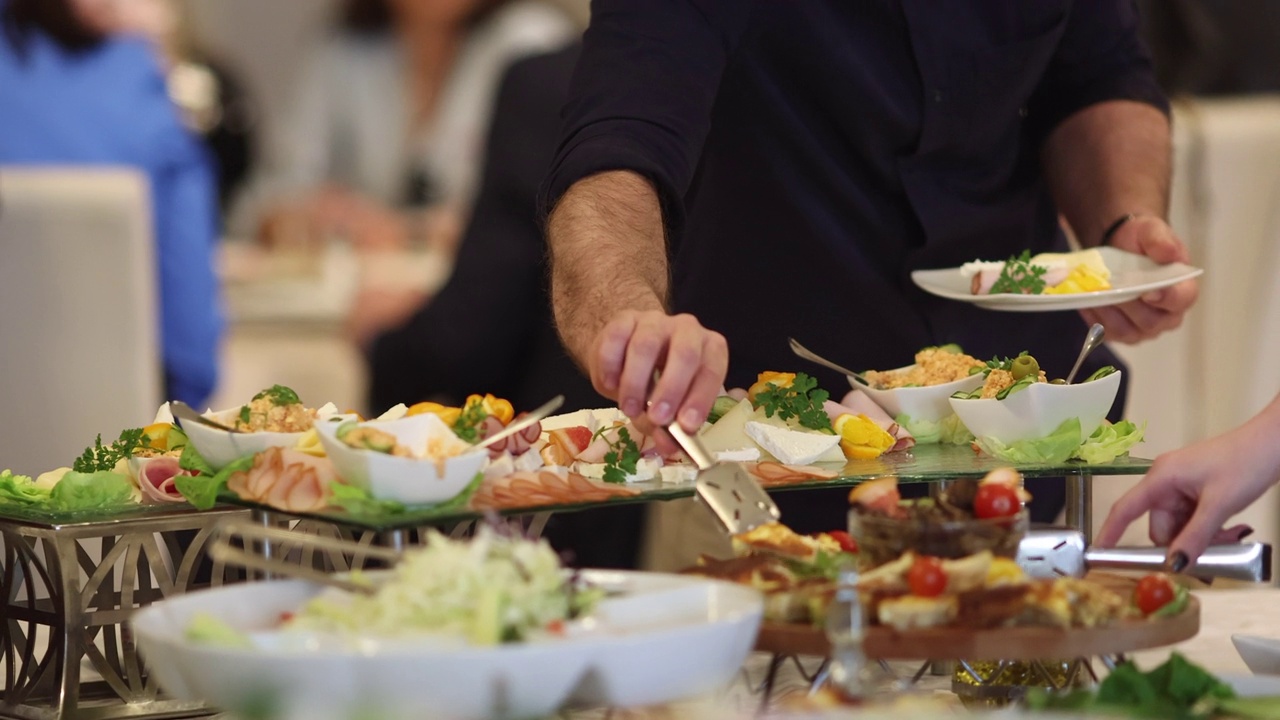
{"x":926,"y":577}
{"x":847,"y":544}
{"x":994,"y":500}
{"x":1153,"y":592}
{"x":556,"y":627}
{"x":580,"y":435}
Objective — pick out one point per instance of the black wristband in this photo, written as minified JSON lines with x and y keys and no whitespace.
{"x":1113,"y":227}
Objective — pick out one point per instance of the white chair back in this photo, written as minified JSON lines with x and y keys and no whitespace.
{"x":78,"y":311}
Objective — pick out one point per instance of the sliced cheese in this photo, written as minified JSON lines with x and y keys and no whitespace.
{"x":590,"y":419}
{"x":793,"y":447}
{"x":529,"y":461}
{"x":499,"y":467}
{"x":728,"y":433}
{"x":750,"y":454}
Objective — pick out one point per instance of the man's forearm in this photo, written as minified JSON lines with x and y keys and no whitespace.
{"x":608,"y":254}
{"x":1106,"y":161}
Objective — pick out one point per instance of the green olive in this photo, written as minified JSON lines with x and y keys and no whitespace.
{"x":1057,"y":381}
{"x":1024,"y":365}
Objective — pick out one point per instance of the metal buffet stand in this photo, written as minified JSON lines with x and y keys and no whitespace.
{"x":70,"y":583}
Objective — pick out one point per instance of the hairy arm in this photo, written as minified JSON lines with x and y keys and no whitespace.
{"x":1106,"y":161}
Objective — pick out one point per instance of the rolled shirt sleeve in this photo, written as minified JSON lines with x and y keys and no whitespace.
{"x":642,"y":93}
{"x":1101,"y":57}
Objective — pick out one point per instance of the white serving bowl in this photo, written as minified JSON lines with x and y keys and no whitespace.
{"x":929,"y":404}
{"x":1261,"y":654}
{"x":413,"y":481}
{"x":661,"y":638}
{"x":220,"y":448}
{"x":1039,"y":409}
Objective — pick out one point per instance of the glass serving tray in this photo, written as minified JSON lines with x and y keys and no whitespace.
{"x":922,"y":464}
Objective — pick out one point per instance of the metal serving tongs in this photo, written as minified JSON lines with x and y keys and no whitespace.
{"x":805,"y":353}
{"x":1061,"y":552}
{"x":221,"y":550}
{"x":737,"y":499}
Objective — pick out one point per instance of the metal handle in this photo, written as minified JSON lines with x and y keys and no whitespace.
{"x":807,"y":354}
{"x":1091,"y":341}
{"x":516,"y":426}
{"x":1250,"y":562}
{"x":692,"y":447}
{"x":183,"y":411}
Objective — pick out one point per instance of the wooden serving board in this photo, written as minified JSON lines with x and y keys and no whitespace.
{"x":1011,"y":643}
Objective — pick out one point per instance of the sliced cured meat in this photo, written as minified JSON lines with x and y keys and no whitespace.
{"x":544,"y":487}
{"x":776,"y":473}
{"x":156,"y":478}
{"x":286,"y":479}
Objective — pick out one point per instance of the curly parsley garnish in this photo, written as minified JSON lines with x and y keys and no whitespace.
{"x":278,"y":395}
{"x":99,"y":458}
{"x":467,"y":426}
{"x":1020,"y":276}
{"x":621,"y":459}
{"x":802,"y":399}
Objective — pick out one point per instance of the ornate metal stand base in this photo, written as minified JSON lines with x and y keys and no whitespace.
{"x":66,"y":591}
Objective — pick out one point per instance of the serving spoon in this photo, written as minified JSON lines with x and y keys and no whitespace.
{"x":1091,"y":342}
{"x":807,"y":354}
{"x":183,"y":411}
{"x":537,"y":415}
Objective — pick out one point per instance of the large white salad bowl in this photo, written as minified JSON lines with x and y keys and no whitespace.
{"x":661,"y":638}
{"x":927,"y":404}
{"x":413,"y":481}
{"x":1040,"y":409}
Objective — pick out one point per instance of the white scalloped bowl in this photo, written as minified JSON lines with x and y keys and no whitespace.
{"x":413,"y":481}
{"x":220,"y":448}
{"x":654,"y":639}
{"x":929,"y":403}
{"x":1038,"y":410}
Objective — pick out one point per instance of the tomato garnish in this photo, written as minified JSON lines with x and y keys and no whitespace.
{"x":556,"y":627}
{"x":580,"y":435}
{"x":286,"y":616}
{"x":994,"y":500}
{"x":847,"y":544}
{"x":926,"y":577}
{"x":1153,"y":592}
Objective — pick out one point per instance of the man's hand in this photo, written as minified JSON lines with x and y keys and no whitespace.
{"x":1159,"y":310}
{"x":609,"y":286}
{"x":692,"y":361}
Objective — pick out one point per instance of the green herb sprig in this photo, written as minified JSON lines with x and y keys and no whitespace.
{"x":467,"y":426}
{"x":802,"y":399}
{"x":278,"y":395}
{"x":1020,"y":276}
{"x":99,"y":457}
{"x":621,"y":459}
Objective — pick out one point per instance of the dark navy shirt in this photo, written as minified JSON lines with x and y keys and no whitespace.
{"x":810,"y":154}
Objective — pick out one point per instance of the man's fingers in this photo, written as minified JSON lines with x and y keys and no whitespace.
{"x":644,"y":351}
{"x":1174,"y":299}
{"x":611,"y":354}
{"x":1155,"y":239}
{"x":682,"y":363}
{"x":706,"y":383}
{"x":1118,"y":326}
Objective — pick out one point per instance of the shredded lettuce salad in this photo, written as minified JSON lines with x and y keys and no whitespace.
{"x":489,"y":589}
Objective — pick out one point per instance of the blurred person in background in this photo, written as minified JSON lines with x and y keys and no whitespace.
{"x":385,"y":140}
{"x":76,"y":90}
{"x":490,"y":330}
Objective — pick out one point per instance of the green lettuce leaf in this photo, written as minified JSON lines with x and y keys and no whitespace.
{"x":91,"y":491}
{"x":1054,"y":449}
{"x":1109,"y":442}
{"x":947,"y":431}
{"x":205,"y":629}
{"x":358,"y":501}
{"x":202,"y":490}
{"x":192,"y":461}
{"x":21,"y":490}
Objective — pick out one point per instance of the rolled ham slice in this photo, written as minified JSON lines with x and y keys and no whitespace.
{"x":286,"y":479}
{"x":857,"y":402}
{"x":156,"y":478}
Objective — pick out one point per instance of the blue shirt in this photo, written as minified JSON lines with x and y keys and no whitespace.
{"x":809,"y":154}
{"x":109,"y":106}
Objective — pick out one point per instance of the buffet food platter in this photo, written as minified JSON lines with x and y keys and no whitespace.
{"x":1005,"y":643}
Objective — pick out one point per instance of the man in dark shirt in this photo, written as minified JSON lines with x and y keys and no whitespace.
{"x":798,"y":160}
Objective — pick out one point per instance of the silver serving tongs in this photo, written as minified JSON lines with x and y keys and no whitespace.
{"x":737,"y":499}
{"x":222,"y":550}
{"x":1061,"y":552}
